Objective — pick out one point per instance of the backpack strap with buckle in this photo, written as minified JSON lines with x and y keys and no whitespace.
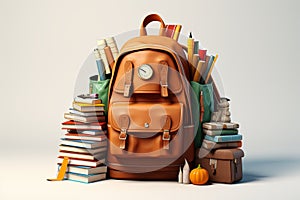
{"x":124,"y":124}
{"x":128,"y":78}
{"x":166,"y":131}
{"x":164,"y":78}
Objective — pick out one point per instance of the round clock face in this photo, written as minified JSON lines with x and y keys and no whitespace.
{"x":145,"y":72}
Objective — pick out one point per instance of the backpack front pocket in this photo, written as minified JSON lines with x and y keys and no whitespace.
{"x":146,"y":130}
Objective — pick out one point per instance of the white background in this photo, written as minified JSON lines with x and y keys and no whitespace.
{"x":43,"y":44}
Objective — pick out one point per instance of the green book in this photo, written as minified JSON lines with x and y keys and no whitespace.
{"x":221,"y":132}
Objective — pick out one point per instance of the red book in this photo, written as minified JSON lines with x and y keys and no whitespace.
{"x":83,"y":126}
{"x":202,"y":54}
{"x":82,"y":162}
{"x":170,"y":30}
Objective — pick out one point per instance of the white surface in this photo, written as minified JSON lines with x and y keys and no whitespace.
{"x":44,"y":43}
{"x":263,"y":179}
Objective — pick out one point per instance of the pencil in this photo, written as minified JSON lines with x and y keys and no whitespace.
{"x":211,"y":68}
{"x":197,"y":75}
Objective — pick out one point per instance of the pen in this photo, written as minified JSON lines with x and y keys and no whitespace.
{"x":88,"y":96}
{"x":211,"y":68}
{"x":190,"y":45}
{"x":109,"y":57}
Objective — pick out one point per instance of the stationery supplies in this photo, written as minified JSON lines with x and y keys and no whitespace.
{"x":170,"y":30}
{"x":88,"y":96}
{"x":210,"y":145}
{"x":82,"y":149}
{"x":202,"y":54}
{"x":220,"y":125}
{"x":111,"y":42}
{"x":196,"y":47}
{"x":85,"y":114}
{"x":62,"y":171}
{"x":197,"y":75}
{"x":86,"y":107}
{"x":211,"y":68}
{"x":84,"y":143}
{"x":109,"y":57}
{"x":190,"y":46}
{"x":100,"y":65}
{"x":177,"y":32}
{"x":84,"y":170}
{"x":82,"y":162}
{"x":85,"y":178}
{"x":84,"y":119}
{"x":221,"y":132}
{"x":94,"y":101}
{"x":85,"y":156}
{"x":101,"y":45}
{"x":83,"y":126}
{"x":223,"y":138}
{"x":222,"y":113}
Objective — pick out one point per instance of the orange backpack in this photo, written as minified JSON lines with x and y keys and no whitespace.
{"x":150,"y":122}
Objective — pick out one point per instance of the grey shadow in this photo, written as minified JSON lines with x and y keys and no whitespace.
{"x":259,"y":169}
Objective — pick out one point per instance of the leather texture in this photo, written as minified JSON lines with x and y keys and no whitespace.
{"x":223,"y":165}
{"x":150,"y":122}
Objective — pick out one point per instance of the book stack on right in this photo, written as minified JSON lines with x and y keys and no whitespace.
{"x":220,"y":153}
{"x":221,"y":132}
{"x":85,"y":140}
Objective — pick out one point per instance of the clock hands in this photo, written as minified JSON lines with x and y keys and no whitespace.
{"x":143,"y":70}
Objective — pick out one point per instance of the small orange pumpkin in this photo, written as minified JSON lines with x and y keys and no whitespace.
{"x":199,"y":176}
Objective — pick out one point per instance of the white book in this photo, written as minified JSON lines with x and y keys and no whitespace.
{"x":85,"y":114}
{"x":84,"y":143}
{"x":87,"y":100}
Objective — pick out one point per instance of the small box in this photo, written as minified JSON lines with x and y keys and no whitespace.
{"x":223,"y":165}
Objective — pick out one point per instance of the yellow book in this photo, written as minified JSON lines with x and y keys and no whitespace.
{"x":177,"y":32}
{"x":86,"y":107}
{"x":88,"y":104}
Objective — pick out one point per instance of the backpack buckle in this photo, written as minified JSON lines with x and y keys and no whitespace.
{"x":127,"y":90}
{"x":166,"y":135}
{"x":166,"y":139}
{"x":123,"y":134}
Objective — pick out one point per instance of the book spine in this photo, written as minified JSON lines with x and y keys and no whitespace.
{"x":177,"y":32}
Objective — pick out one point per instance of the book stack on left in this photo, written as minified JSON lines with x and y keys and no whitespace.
{"x":84,"y":141}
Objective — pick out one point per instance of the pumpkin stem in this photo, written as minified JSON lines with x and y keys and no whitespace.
{"x":199,"y":167}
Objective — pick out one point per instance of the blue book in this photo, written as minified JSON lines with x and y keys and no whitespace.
{"x":224,"y":138}
{"x":85,"y":178}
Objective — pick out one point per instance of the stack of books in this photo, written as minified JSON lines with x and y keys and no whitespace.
{"x":221,"y":135}
{"x":85,"y":141}
{"x":222,"y":113}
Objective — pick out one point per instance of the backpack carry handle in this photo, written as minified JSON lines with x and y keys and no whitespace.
{"x":150,"y":18}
